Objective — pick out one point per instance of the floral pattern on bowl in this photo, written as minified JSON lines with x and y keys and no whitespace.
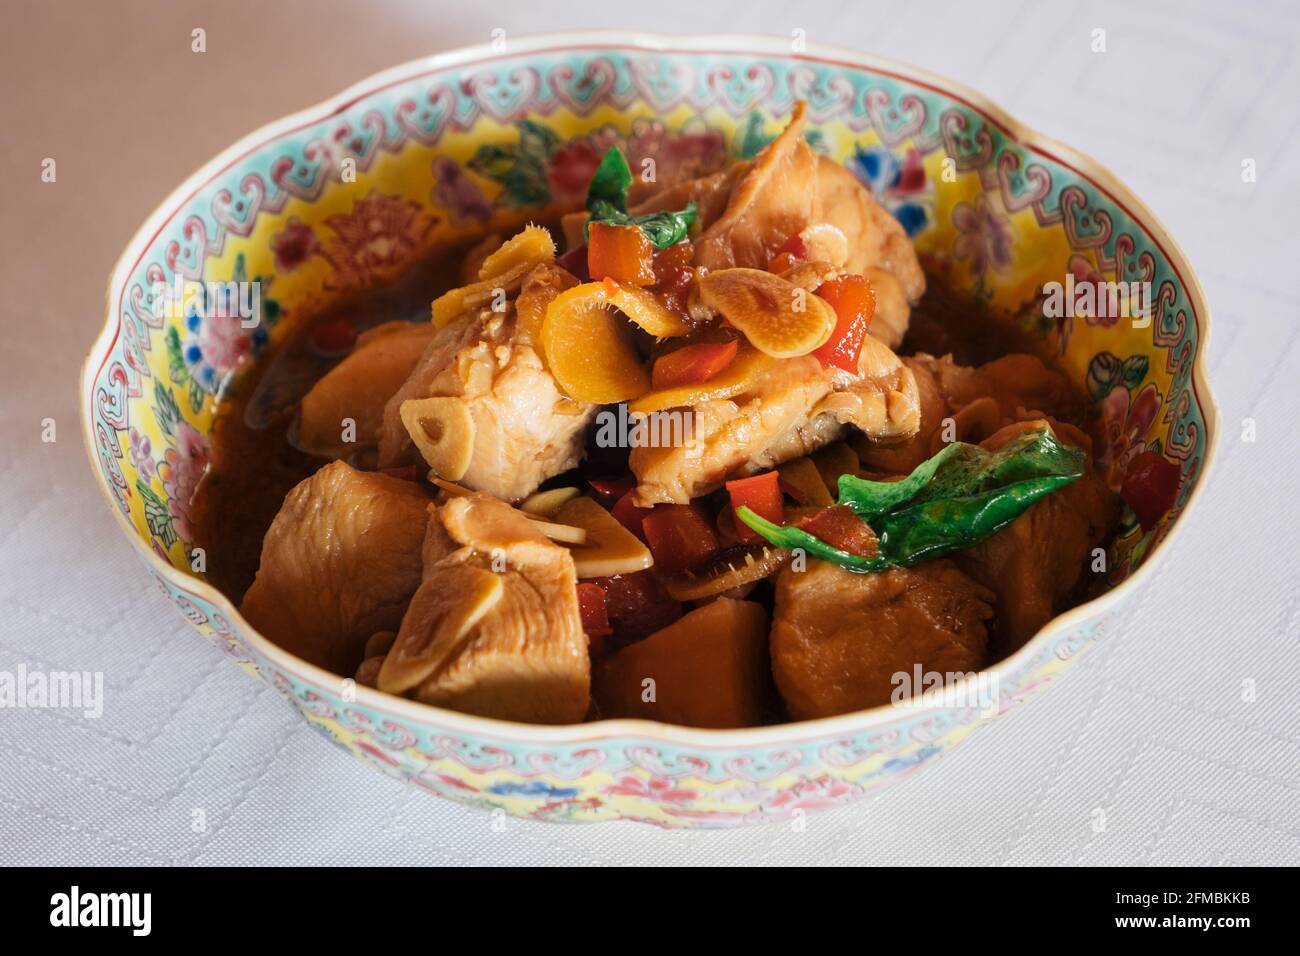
{"x":349,"y":193}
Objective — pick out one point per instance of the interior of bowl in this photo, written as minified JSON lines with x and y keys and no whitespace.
{"x":348,"y":195}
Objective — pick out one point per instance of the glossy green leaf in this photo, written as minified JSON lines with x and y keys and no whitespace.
{"x":607,"y":202}
{"x":954,"y":500}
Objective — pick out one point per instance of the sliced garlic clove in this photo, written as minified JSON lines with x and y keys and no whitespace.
{"x":563,"y":533}
{"x":778,"y":317}
{"x":442,"y":428}
{"x":546,"y":503}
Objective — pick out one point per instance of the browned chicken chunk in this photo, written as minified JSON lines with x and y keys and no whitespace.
{"x":515,"y":428}
{"x":1041,"y":557}
{"x":797,"y":408}
{"x":839,"y":639}
{"x":494,"y":628}
{"x":340,"y":562}
{"x":976,"y":402}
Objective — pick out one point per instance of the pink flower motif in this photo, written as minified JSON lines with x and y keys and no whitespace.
{"x":142,"y":456}
{"x":294,"y":246}
{"x":812,"y":793}
{"x":686,"y":155}
{"x":656,"y":789}
{"x":224,"y":343}
{"x":1103,"y":312}
{"x":1122,"y":425}
{"x":458,"y":193}
{"x":986,"y":237}
{"x":570,"y":169}
{"x":181,"y":470}
{"x":375,"y":240}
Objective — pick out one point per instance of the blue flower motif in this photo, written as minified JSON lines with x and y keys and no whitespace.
{"x":533,"y":788}
{"x":892,"y":182}
{"x":877,"y":167}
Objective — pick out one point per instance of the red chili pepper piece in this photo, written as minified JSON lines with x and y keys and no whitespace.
{"x":854,"y":303}
{"x":679,"y":536}
{"x":839,"y":527}
{"x":692,"y":364}
{"x":761,"y":494}
{"x":630,"y":515}
{"x":1150,"y":487}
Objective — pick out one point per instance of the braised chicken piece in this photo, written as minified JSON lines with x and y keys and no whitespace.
{"x":356,"y":390}
{"x":1041,"y":557}
{"x":340,"y":562}
{"x":508,"y":424}
{"x":797,"y":408}
{"x":839,"y":639}
{"x":493,"y":628}
{"x":1018,"y":382}
{"x":978,"y":401}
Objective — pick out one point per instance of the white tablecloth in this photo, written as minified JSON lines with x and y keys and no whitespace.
{"x":1151,"y":729}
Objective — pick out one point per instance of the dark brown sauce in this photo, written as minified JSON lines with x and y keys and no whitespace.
{"x":253,"y":462}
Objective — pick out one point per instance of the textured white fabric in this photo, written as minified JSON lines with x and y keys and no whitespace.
{"x":1151,"y":730}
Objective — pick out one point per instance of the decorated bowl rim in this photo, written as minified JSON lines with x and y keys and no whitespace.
{"x":737,"y":44}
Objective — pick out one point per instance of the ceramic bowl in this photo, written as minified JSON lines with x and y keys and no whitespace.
{"x":439,"y":147}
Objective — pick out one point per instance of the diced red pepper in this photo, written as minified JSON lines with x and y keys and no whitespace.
{"x":575,"y":262}
{"x":622,"y":253}
{"x":791,"y":253}
{"x":854,"y":303}
{"x":679,"y":536}
{"x":637,"y":606}
{"x":593,"y":612}
{"x":611,"y":489}
{"x":692,"y":364}
{"x":629,"y":515}
{"x":839,"y":527}
{"x":673,"y":274}
{"x":761,"y":494}
{"x":1150,"y":487}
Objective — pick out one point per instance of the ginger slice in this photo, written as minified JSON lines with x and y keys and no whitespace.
{"x":588,"y":347}
{"x":502,"y":272}
{"x":544,"y":504}
{"x":778,"y":317}
{"x":532,"y":246}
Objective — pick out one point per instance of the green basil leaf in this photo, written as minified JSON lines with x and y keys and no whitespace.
{"x":784,"y":536}
{"x":607,"y":202}
{"x":609,"y":184}
{"x":954,"y":500}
